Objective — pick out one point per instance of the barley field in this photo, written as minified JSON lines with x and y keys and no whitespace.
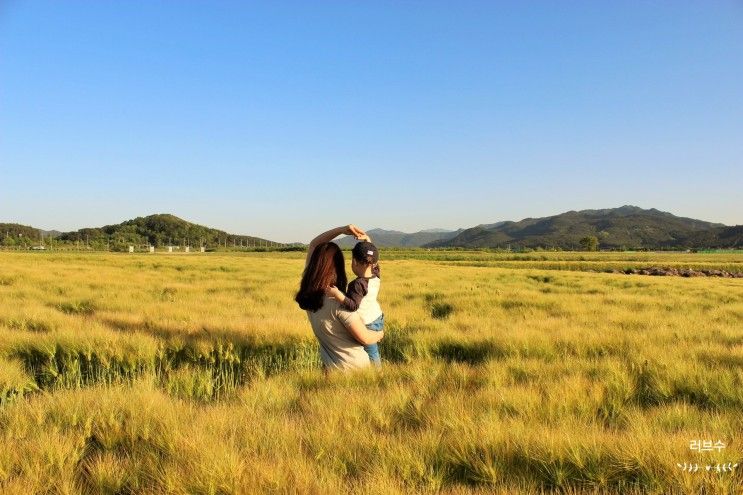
{"x":503,"y":373}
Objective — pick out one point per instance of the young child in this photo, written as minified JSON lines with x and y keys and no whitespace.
{"x":361,"y":295}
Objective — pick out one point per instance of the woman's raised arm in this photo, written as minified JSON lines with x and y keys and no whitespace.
{"x":330,"y":235}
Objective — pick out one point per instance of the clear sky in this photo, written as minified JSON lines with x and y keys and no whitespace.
{"x":281,"y":119}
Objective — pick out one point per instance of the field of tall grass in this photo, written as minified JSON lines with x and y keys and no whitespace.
{"x":502,"y":373}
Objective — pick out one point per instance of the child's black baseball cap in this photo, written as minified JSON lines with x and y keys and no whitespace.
{"x":365,"y":252}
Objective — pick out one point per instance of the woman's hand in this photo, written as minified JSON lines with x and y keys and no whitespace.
{"x":359,"y":234}
{"x":355,"y":231}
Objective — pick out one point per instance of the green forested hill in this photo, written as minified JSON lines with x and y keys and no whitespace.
{"x":718,"y":237}
{"x":160,"y":230}
{"x":627,"y":227}
{"x":14,"y":234}
{"x":154,"y":230}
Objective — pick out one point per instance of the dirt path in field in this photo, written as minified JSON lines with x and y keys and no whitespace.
{"x":678,"y":272}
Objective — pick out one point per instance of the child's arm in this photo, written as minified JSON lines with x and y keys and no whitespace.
{"x":336,"y":293}
{"x":356,"y":292}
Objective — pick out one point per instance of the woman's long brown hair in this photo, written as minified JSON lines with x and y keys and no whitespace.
{"x":326,"y":267}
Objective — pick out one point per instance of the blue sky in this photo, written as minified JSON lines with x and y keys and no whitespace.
{"x":281,"y":119}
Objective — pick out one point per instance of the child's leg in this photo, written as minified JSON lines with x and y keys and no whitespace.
{"x":373,"y":349}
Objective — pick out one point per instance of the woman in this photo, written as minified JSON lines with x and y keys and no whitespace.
{"x":341,"y":333}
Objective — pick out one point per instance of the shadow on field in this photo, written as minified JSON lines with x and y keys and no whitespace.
{"x":469,"y":352}
{"x":165,"y":332}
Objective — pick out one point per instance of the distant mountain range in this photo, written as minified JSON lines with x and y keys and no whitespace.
{"x":628,"y":227}
{"x":394,"y":238}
